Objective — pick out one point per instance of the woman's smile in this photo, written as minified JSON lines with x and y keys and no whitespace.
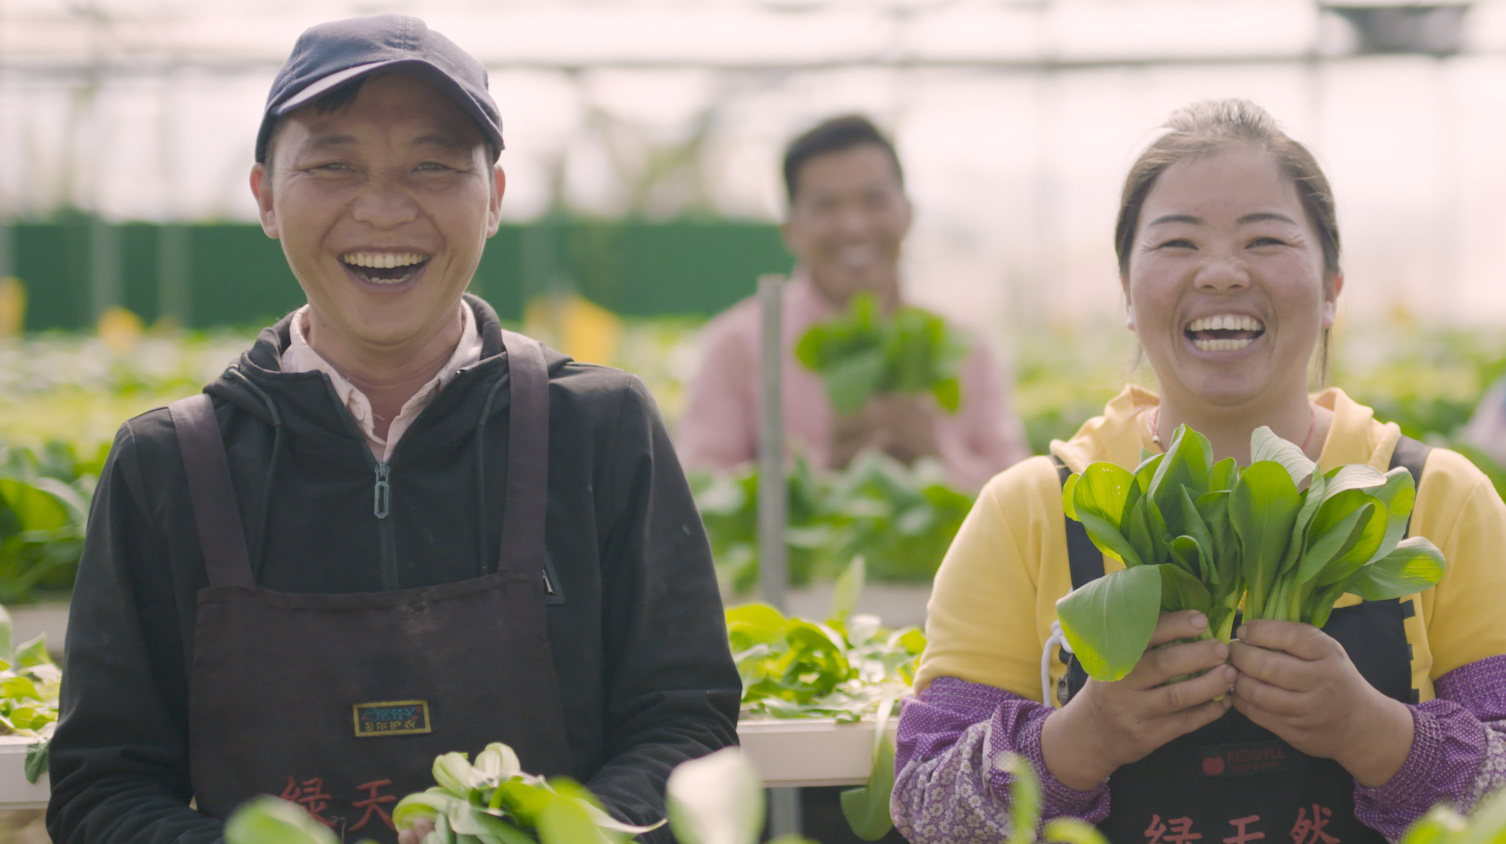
{"x":1224,"y":332}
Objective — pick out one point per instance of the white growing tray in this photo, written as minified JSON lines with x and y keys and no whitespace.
{"x":15,"y":791}
{"x":810,"y":751}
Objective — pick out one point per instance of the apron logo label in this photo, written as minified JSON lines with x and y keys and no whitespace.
{"x":391,"y":718}
{"x":1236,"y":760}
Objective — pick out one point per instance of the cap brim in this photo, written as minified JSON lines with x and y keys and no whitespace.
{"x":416,"y":67}
{"x":334,"y":80}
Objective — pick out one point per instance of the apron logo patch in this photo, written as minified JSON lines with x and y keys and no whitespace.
{"x":391,"y":718}
{"x":1235,"y":760}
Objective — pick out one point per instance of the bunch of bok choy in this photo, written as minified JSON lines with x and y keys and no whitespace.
{"x":1281,"y":537}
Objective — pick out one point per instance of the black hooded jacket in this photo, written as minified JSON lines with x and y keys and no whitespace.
{"x":636,"y":628}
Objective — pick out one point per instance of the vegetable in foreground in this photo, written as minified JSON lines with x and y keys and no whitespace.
{"x":717,"y":799}
{"x":495,"y":802}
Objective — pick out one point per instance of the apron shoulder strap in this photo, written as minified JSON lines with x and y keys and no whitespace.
{"x":221,"y":538}
{"x":526,"y":500}
{"x":1411,"y":455}
{"x":1084,"y":558}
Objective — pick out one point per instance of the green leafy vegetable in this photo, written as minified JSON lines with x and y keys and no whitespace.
{"x":846,"y":668}
{"x":861,"y":353}
{"x":268,"y":820}
{"x":1025,"y":810}
{"x":867,"y":808}
{"x":1109,"y":621}
{"x":44,"y":505}
{"x":718,"y":799}
{"x":29,"y":686}
{"x":493,"y":801}
{"x":1279,"y":536}
{"x":843,"y":668}
{"x":1444,"y":825}
{"x":1262,"y":509}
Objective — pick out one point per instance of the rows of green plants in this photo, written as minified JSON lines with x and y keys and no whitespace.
{"x":899,"y":518}
{"x":63,"y":396}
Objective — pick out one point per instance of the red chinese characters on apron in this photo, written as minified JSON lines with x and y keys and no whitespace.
{"x":340,"y":703}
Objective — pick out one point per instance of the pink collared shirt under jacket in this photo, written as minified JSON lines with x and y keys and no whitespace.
{"x":301,"y":357}
{"x":719,"y":427}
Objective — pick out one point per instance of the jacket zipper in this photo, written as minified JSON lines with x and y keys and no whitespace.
{"x":381,"y":506}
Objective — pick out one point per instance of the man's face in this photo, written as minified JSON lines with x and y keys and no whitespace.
{"x":847,"y":221}
{"x":383,"y":208}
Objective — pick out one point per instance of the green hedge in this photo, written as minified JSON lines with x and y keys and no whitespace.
{"x":235,"y":275}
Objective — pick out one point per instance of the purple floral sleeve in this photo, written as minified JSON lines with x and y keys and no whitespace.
{"x":1458,"y":753}
{"x":949,"y":786}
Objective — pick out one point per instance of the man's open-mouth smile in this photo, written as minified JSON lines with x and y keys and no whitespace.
{"x":1224,"y":332}
{"x":385,"y":268}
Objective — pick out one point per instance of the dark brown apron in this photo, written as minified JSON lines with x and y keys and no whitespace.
{"x":340,"y":703}
{"x":1237,"y":782}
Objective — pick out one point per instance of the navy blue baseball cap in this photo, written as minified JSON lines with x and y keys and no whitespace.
{"x":332,"y":54}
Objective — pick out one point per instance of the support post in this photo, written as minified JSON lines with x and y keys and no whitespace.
{"x":773,"y":562}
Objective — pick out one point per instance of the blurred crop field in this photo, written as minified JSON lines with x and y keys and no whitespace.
{"x":78,"y":388}
{"x":62,"y":397}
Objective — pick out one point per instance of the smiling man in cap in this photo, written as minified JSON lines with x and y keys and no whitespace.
{"x":391,"y":529}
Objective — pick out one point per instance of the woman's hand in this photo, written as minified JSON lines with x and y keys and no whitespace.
{"x":1297,"y":681}
{"x":416,"y":833}
{"x":1109,"y":725}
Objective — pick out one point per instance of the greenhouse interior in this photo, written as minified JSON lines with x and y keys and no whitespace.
{"x":648,"y":203}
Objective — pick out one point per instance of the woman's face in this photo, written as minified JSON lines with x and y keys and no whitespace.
{"x":1226,"y":283}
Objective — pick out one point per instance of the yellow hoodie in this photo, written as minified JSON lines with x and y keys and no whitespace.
{"x":995,"y":594}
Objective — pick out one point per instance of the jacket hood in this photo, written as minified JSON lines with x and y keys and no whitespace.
{"x":1117,"y":436}
{"x":1125,"y":427}
{"x":258,"y":373}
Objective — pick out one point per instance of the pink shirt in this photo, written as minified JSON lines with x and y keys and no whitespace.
{"x":719,"y":428}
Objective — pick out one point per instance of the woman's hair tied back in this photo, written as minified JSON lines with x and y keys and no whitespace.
{"x":1210,"y":126}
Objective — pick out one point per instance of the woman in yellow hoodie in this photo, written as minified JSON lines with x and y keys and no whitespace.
{"x":1228,"y":253}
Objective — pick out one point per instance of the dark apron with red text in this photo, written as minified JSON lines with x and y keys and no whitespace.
{"x":1233,"y":781}
{"x":340,"y":703}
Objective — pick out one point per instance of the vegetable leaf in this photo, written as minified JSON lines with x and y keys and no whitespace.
{"x":1412,"y":567}
{"x":1181,"y":590}
{"x":1265,"y":445}
{"x":1262,"y":507}
{"x":1109,"y":621}
{"x":716,"y":799}
{"x":1099,"y":498}
{"x":867,"y":808}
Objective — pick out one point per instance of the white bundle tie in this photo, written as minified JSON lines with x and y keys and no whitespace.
{"x":1057,"y":638}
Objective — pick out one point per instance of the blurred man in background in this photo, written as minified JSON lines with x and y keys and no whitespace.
{"x":848,"y":217}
